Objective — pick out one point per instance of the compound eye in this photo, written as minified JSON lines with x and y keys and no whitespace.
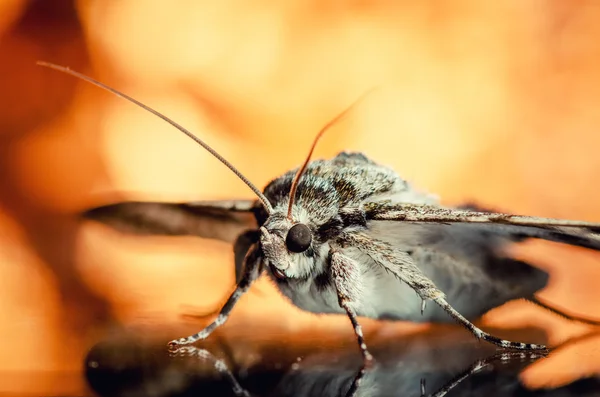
{"x":298,"y":238}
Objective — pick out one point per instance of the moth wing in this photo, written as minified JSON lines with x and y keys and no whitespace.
{"x":515,"y":227}
{"x":219,"y":219}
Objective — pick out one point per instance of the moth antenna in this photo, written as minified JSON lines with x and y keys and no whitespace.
{"x":199,"y":141}
{"x":327,"y":126}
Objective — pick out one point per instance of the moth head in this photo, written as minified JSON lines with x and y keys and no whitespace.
{"x":288,"y":247}
{"x":287,"y":242}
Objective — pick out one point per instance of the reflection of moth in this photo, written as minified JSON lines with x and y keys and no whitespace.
{"x":421,"y":364}
{"x":350,"y":236}
{"x":384,"y":380}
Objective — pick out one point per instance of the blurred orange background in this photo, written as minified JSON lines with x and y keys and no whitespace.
{"x":493,"y":102}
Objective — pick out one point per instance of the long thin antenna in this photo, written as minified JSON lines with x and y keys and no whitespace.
{"x":327,"y":126}
{"x":199,"y":141}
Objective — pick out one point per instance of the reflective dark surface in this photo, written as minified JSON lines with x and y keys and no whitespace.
{"x":444,"y":362}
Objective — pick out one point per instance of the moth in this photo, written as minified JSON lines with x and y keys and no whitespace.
{"x":350,"y":236}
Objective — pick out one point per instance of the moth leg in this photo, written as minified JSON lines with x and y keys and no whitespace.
{"x":484,"y":335}
{"x":346,"y":278}
{"x":402,"y":266}
{"x":253,"y":269}
{"x":240,"y":248}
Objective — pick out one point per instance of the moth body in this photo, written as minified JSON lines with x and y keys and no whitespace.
{"x":332,"y":188}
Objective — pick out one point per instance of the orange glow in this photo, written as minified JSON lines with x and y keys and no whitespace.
{"x":471,"y":108}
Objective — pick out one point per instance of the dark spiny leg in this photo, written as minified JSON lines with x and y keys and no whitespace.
{"x":251,"y":272}
{"x":219,"y":365}
{"x":484,"y":335}
{"x":347,"y":281}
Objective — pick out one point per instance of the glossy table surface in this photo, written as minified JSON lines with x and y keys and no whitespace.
{"x":259,"y":361}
